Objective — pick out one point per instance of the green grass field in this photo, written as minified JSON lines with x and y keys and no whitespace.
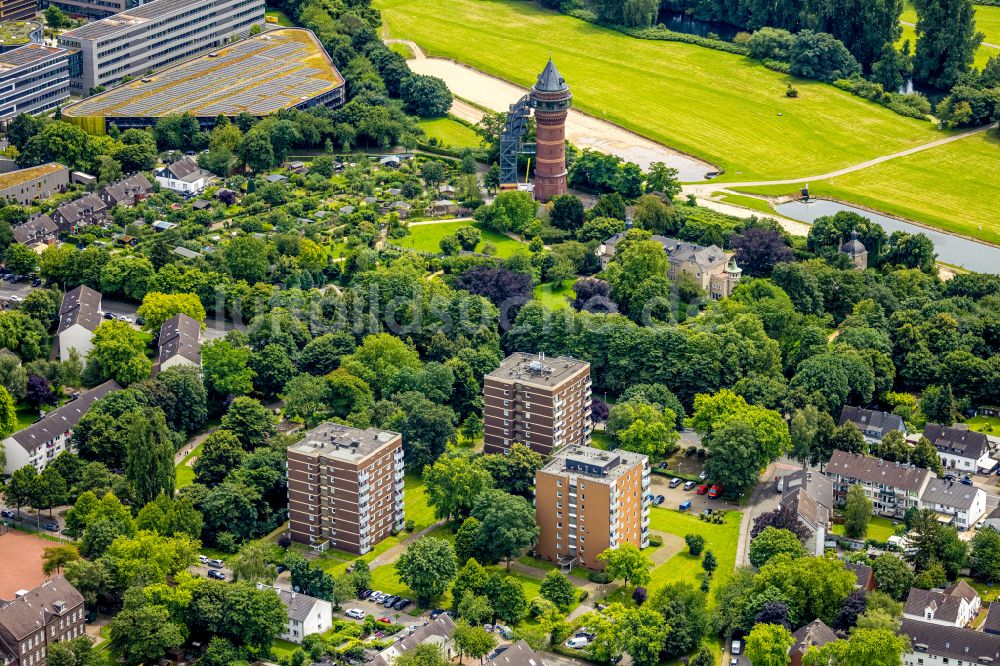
{"x":724,"y":108}
{"x":553,"y":296}
{"x":401,"y":49}
{"x":948,"y":187}
{"x":752,"y":203}
{"x":185,"y":473}
{"x":450,"y":132}
{"x":879,"y":529}
{"x":425,"y":238}
{"x":684,"y":567}
{"x":987,"y":424}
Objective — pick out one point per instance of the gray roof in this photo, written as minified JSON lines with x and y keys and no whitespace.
{"x":438,"y":630}
{"x":129,"y":19}
{"x":950,"y":494}
{"x":550,"y":80}
{"x":957,"y":441}
{"x":991,"y":624}
{"x":593,"y":464}
{"x":953,"y":642}
{"x":869,"y":420}
{"x":297,"y":606}
{"x":127,"y":188}
{"x":518,"y":654}
{"x":186,"y":168}
{"x":815,"y":633}
{"x":853,"y":247}
{"x":945,"y":603}
{"x":707,"y":258}
{"x":875,"y":470}
{"x":186,"y":253}
{"x":340,"y":442}
{"x":275,"y":178}
{"x":180,"y":336}
{"x":29,"y":613}
{"x":76,"y":210}
{"x":35,"y":230}
{"x":80,"y":306}
{"x":61,"y":420}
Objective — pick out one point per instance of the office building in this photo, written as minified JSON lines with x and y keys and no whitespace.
{"x":34,"y":79}
{"x":588,"y":500}
{"x":36,"y":619}
{"x":541,"y":402}
{"x":155,"y":35}
{"x":345,"y":487}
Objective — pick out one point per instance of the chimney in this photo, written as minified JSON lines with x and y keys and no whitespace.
{"x":20,"y":593}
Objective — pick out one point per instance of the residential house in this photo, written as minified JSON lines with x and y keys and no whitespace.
{"x":46,"y":438}
{"x":991,"y":624}
{"x":965,"y":504}
{"x":891,"y":487}
{"x":934,"y":644}
{"x":993,"y":520}
{"x":954,"y":606}
{"x":814,"y":634}
{"x":297,"y":167}
{"x":960,"y":448}
{"x":184,"y":176}
{"x":516,"y":654}
{"x":36,"y":619}
{"x":179,"y":342}
{"x":444,"y":207}
{"x":435,"y":632}
{"x":41,"y":230}
{"x":79,"y":317}
{"x":811,"y":497}
{"x":73,"y":215}
{"x":864,"y":574}
{"x":24,"y":186}
{"x":126,"y":192}
{"x":306,"y":615}
{"x":401,"y":208}
{"x":872,"y":424}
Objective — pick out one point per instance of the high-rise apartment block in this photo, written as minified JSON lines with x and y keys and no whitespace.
{"x":152,"y":36}
{"x":541,"y":402}
{"x":588,"y":500}
{"x":345,"y":487}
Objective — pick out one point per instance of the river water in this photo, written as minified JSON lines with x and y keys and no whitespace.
{"x":954,"y":250}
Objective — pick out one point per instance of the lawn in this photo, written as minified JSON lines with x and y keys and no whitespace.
{"x":947,"y":187}
{"x":26,"y":415}
{"x":879,"y":529}
{"x":450,"y":132}
{"x":987,"y":424}
{"x":401,"y":49}
{"x":553,"y":296}
{"x":753,"y":203}
{"x":185,"y":472}
{"x":684,"y":567}
{"x":724,"y":108}
{"x":425,"y":238}
{"x":282,"y":648}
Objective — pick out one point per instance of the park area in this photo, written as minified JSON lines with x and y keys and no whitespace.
{"x":450,"y":132}
{"x":427,"y":236}
{"x":22,"y":562}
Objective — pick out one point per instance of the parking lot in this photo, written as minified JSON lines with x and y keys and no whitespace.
{"x":674,"y":497}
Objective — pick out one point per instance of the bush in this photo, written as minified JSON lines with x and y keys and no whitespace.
{"x":770,"y":44}
{"x":791,"y":92}
{"x":695,"y":542}
{"x":912,"y":105}
{"x":639,"y":595}
{"x":409,"y":525}
{"x":655,"y":540}
{"x":778,"y":66}
{"x":664,"y":35}
{"x":601,"y":577}
{"x":539,"y":606}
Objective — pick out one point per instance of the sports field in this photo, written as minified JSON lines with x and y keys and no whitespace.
{"x":952,"y":187}
{"x":721,"y":107}
{"x":22,"y":557}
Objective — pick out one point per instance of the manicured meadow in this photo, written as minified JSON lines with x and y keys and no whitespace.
{"x":450,"y":132}
{"x":554,"y":295}
{"x":684,"y":567}
{"x":185,"y":472}
{"x":752,"y":203}
{"x":425,"y":238}
{"x":952,"y":187}
{"x":724,"y":108}
{"x":879,"y":529}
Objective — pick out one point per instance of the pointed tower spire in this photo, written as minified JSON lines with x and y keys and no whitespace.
{"x":550,"y":80}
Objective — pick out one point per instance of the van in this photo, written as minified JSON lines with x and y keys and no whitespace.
{"x":737,"y":646}
{"x":685,"y":505}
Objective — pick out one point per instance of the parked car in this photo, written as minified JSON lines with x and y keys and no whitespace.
{"x":734,"y":662}
{"x":402,"y":604}
{"x":715,"y":491}
{"x":203,"y":559}
{"x":737,"y":646}
{"x":659,"y":499}
{"x":216,"y":564}
{"x":577,"y":643}
{"x":109,"y":315}
{"x":676,"y":481}
{"x":14,"y":298}
{"x":7,"y":513}
{"x":36,"y":282}
{"x":702,"y":489}
{"x":967,"y":481}
{"x":217,"y":575}
{"x":377,"y":596}
{"x":685,"y":505}
{"x":390,"y":601}
{"x":51,"y":527}
{"x":356,"y":613}
{"x":505,"y":632}
{"x":364,"y":594}
{"x":703,"y":475}
{"x":663,"y":465}
{"x":689,"y":485}
{"x":437,"y":612}
{"x":385,"y":620}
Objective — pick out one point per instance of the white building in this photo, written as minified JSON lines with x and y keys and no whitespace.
{"x":184,"y":176}
{"x":179,"y":342}
{"x":810,"y":496}
{"x":960,"y":448}
{"x":954,"y":606}
{"x":993,"y":520}
{"x":79,"y":317}
{"x":306,"y":615}
{"x":42,"y":441}
{"x":936,"y":645}
{"x":965,"y":504}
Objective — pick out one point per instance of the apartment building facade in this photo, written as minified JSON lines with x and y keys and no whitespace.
{"x":345,"y":487}
{"x":25,"y":186}
{"x":588,"y":500}
{"x":36,"y":619}
{"x":892,"y":487}
{"x":35,"y":78}
{"x":543,"y":403}
{"x":154,"y":35}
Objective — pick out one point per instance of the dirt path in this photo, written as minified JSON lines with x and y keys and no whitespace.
{"x":584,"y":131}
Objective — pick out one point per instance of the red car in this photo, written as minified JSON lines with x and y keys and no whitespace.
{"x":702,"y":490}
{"x":715,"y":491}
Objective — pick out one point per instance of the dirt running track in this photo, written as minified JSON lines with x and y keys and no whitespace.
{"x":21,"y":554}
{"x":582,"y":130}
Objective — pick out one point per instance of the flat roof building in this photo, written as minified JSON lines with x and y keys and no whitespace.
{"x":15,"y":33}
{"x":345,"y":487}
{"x":543,"y":403}
{"x":156,"y":35}
{"x":25,"y":186}
{"x":35,"y":78}
{"x":588,"y":500}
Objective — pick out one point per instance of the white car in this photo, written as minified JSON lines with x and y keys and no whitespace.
{"x":737,"y":647}
{"x":703,"y":475}
{"x":356,"y":613}
{"x":14,"y":298}
{"x":203,"y":559}
{"x":577,"y":642}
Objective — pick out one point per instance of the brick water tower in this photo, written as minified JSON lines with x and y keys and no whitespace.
{"x":552,"y":99}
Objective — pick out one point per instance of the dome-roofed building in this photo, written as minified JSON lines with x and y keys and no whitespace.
{"x":856,"y":251}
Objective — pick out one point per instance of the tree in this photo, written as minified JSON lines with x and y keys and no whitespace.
{"x":55,"y":558}
{"x":558,"y":589}
{"x":685,"y":610}
{"x":14,"y":377}
{"x":853,"y":607}
{"x":253,"y":562}
{"x":709,"y":563}
{"x":514,"y":472}
{"x":509,"y":603}
{"x":272,"y":369}
{"x":59,"y":141}
{"x":149,"y":464}
{"x":169,"y":517}
{"x":695,"y":543}
{"x":453,"y":483}
{"x":55,"y":18}
{"x":759,"y":250}
{"x":947,"y":41}
{"x":892,"y":576}
{"x":473,"y":641}
{"x":226,"y":368}
{"x":475,"y":609}
{"x":427,"y":567}
{"x":221,"y":453}
{"x":255,"y":151}
{"x":250,"y":421}
{"x":246,"y":258}
{"x":937,"y":403}
{"x":119,"y":353}
{"x":857,"y":512}
{"x":144,"y":634}
{"x":20,"y":259}
{"x":467,"y":539}
{"x":628,"y":563}
{"x":508,"y":524}
{"x":566,"y":212}
{"x":157,"y":308}
{"x":425,"y":96}
{"x":818,"y":55}
{"x":985,"y":558}
{"x":75,"y":651}
{"x":185,"y":402}
{"x":925,"y":455}
{"x":8,"y":413}
{"x":50,"y":490}
{"x":768,"y":645}
{"x":771,"y":542}
{"x":865,"y":647}
{"x":22,"y":487}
